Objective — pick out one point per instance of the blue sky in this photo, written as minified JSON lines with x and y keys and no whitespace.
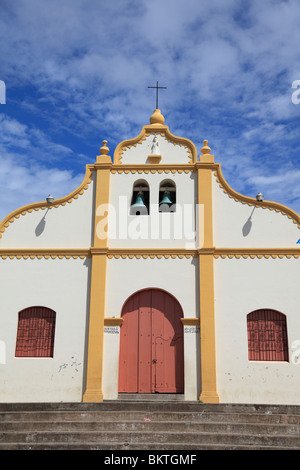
{"x":78,"y":71}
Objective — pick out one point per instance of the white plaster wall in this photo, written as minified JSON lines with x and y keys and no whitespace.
{"x":161,"y":230}
{"x":176,"y":276}
{"x":59,"y":227}
{"x":169,"y":151}
{"x":61,"y":285}
{"x":192,"y":379}
{"x":111,"y":349}
{"x":241,"y":286}
{"x":239,"y":225}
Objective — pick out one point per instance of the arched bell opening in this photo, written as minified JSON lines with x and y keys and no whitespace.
{"x":167,"y":196}
{"x":140,"y":198}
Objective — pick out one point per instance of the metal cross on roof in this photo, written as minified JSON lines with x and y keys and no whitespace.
{"x":157,"y":88}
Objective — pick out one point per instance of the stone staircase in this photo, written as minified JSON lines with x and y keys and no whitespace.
{"x":150,"y":425}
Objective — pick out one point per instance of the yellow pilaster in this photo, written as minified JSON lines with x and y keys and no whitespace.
{"x":93,"y":392}
{"x":206,"y":280}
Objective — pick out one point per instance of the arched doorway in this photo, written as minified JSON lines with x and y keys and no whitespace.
{"x":151,"y":344}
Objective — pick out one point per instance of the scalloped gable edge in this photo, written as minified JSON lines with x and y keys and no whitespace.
{"x":271,"y":205}
{"x":42,"y":205}
{"x":155,"y":129}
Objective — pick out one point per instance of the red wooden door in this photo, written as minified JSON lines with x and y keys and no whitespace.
{"x":151,"y":344}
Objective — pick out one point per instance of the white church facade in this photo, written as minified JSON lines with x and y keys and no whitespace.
{"x":153,"y":276}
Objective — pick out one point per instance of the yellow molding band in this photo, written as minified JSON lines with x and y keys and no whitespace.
{"x":151,"y":253}
{"x":44,"y":253}
{"x":148,"y":253}
{"x":113,"y":321}
{"x":256,"y":252}
{"x":190,"y":321}
{"x":152,"y":168}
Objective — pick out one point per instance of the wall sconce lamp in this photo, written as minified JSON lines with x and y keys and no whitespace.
{"x":259,"y":197}
{"x":50,"y":199}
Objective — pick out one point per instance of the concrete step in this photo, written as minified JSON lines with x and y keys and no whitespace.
{"x":149,"y":397}
{"x":128,"y":449}
{"x":140,"y":416}
{"x":152,"y":425}
{"x":129,"y":405}
{"x":150,"y":438}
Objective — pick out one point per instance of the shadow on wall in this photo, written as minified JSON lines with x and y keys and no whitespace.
{"x":41,"y":225}
{"x":248,"y":225}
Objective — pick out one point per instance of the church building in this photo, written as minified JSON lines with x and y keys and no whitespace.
{"x":154,"y":276}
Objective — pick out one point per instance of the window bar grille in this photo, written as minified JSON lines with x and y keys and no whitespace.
{"x":36,"y":329}
{"x":267,"y":336}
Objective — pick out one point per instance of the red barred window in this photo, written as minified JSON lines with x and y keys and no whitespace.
{"x":35,"y":336}
{"x":267,"y":336}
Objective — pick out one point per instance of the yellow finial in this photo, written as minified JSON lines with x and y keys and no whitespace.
{"x":207,"y":157}
{"x":157,"y":118}
{"x":104,"y":149}
{"x":205,"y":149}
{"x":104,"y":157}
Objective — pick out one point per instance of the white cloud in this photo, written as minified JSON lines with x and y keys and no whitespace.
{"x":26,"y":180}
{"x":228,"y":67}
{"x":20,"y":185}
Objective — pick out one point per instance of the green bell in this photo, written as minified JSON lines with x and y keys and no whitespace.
{"x":139,"y":202}
{"x":139,"y":207}
{"x":166,"y":199}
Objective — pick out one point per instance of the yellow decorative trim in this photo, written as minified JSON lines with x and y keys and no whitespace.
{"x":257,"y":253}
{"x":22,"y":253}
{"x":155,"y":129}
{"x":190,"y":321}
{"x":113,"y":321}
{"x":277,"y":207}
{"x":153,"y":168}
{"x":166,"y":253}
{"x":99,"y":251}
{"x":151,"y":253}
{"x":36,"y":206}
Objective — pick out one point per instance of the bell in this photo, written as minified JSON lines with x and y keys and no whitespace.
{"x":166,"y":199}
{"x":166,"y":205}
{"x":139,"y":207}
{"x":139,"y":202}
